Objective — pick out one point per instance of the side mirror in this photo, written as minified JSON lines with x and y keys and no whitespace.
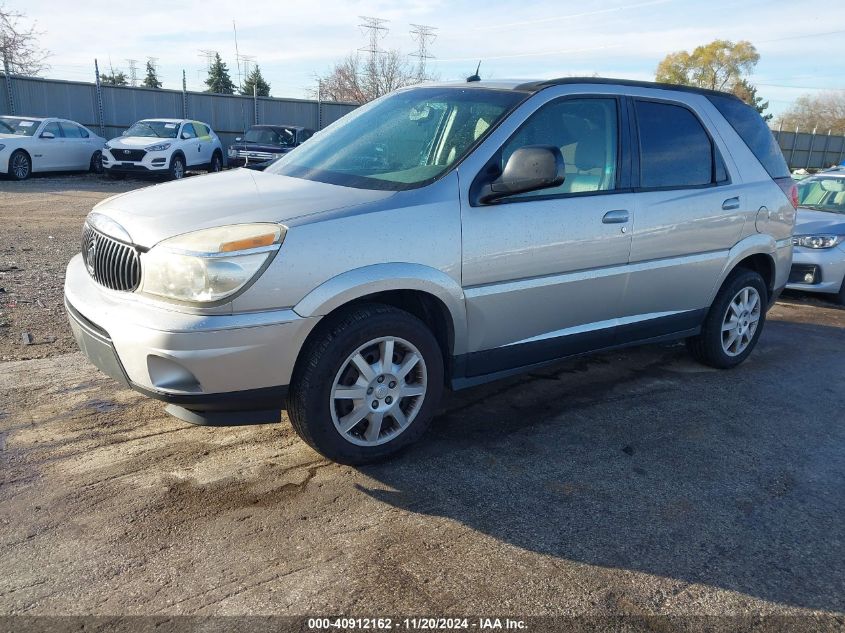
{"x":238,"y":139}
{"x":185,"y":136}
{"x":47,"y":135}
{"x":529,"y":168}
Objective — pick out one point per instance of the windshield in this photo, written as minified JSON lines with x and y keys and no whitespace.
{"x":156,"y":129}
{"x":401,"y":141}
{"x":16,"y":126}
{"x":822,"y":194}
{"x":270,"y":136}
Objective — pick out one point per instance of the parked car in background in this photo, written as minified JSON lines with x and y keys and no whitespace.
{"x":818,"y":261}
{"x":262,"y":144}
{"x":32,"y":144}
{"x":443,"y":235}
{"x":169,"y":147}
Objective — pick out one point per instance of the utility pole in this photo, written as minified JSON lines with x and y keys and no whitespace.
{"x":184,"y":96}
{"x":375,"y":30}
{"x":133,"y":72}
{"x":8,"y":75}
{"x":424,"y":36}
{"x":237,"y":56}
{"x":99,"y":91}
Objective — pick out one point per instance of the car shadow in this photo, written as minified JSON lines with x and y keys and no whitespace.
{"x":642,"y":460}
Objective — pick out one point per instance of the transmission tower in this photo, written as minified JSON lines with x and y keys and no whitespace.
{"x":209,"y":58}
{"x":133,"y":72}
{"x":424,"y":36}
{"x":375,"y":30}
{"x":246,"y":61}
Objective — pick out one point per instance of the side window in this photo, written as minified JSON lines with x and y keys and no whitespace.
{"x":675,"y":151}
{"x":53,"y":128}
{"x":586,"y":131}
{"x":188,"y":129}
{"x":70,"y":130}
{"x":305,"y":135}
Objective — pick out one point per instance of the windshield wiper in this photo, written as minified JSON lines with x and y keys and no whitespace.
{"x":152,"y":129}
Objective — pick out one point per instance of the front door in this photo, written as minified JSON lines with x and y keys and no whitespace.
{"x":544,"y":272}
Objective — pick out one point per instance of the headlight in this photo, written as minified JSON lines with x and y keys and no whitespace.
{"x":209,"y":265}
{"x":233,"y":152}
{"x":816,"y":241}
{"x":159,"y":148}
{"x":107,"y":146}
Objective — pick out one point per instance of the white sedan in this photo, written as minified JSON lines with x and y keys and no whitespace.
{"x":30,"y":144}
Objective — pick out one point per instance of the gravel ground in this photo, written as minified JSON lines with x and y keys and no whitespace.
{"x":633,"y":482}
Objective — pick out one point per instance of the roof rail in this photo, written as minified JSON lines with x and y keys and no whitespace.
{"x":562,"y":81}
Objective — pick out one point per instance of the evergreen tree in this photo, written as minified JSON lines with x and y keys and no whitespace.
{"x":219,"y":81}
{"x":151,"y":80}
{"x":748,"y":93}
{"x":254,"y":79}
{"x":115,"y":78}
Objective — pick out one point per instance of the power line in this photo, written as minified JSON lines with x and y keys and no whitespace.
{"x":424,"y":36}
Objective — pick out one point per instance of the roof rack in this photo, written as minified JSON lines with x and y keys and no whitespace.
{"x":562,"y":81}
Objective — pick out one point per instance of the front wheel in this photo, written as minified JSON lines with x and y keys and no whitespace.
{"x":96,"y":166}
{"x":734,"y":322}
{"x":20,"y":165}
{"x":177,"y":167}
{"x":367,"y":385}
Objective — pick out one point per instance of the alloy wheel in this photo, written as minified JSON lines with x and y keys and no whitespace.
{"x":178,"y":169}
{"x":20,"y":166}
{"x":378,"y":391}
{"x":740,"y":321}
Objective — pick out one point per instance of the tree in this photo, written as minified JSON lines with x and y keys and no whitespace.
{"x":151,"y":80}
{"x":825,"y":111}
{"x":748,"y":93}
{"x":115,"y":78}
{"x":719,"y":65}
{"x":218,"y":80}
{"x":359,"y":81}
{"x":255,"y":80}
{"x":19,"y":45}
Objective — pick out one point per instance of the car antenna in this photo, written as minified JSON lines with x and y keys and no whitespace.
{"x":476,"y":76}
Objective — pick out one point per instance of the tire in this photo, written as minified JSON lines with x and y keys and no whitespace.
{"x":20,"y":165}
{"x":96,"y":166}
{"x":216,"y":163}
{"x":710,"y":347}
{"x":177,"y":167}
{"x":326,"y":369}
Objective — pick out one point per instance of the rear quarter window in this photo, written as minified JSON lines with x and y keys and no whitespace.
{"x":754,"y":131}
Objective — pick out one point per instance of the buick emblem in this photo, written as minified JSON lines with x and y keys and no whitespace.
{"x":90,"y":255}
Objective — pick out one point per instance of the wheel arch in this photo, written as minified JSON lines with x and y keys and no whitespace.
{"x":428,"y":293}
{"x":28,"y":155}
{"x":755,"y":253}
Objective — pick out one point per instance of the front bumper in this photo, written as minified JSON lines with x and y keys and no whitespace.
{"x":827,"y":266}
{"x":217,"y":367}
{"x":153,"y":162}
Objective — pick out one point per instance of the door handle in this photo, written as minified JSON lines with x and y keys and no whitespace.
{"x":730,"y":204}
{"x":619,"y":216}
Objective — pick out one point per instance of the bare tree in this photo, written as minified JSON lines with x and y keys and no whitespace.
{"x":358,"y":80}
{"x":19,"y":44}
{"x":824,"y":111}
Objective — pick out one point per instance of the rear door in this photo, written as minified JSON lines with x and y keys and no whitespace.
{"x":544,"y":272}
{"x":77,"y":146}
{"x":191,"y":145}
{"x":205,"y":141}
{"x":689,"y":213}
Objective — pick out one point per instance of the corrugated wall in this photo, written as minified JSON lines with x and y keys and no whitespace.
{"x":228,"y":115}
{"x":805,"y":150}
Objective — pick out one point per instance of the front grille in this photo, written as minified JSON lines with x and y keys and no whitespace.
{"x":256,"y":155}
{"x":134,"y":155}
{"x":111,"y":263}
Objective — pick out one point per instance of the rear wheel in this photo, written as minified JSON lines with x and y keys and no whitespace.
{"x":216,"y":163}
{"x":734,"y":322}
{"x":177,"y":167}
{"x":96,"y":166}
{"x":368,"y":384}
{"x":20,"y":165}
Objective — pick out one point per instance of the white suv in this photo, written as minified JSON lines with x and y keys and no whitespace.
{"x":164,"y":146}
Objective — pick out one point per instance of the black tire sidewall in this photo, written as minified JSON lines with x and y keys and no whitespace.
{"x":712,"y":330}
{"x":314,"y":384}
{"x":216,"y":159}
{"x":177,"y":157}
{"x":11,"y":170}
{"x":96,"y":166}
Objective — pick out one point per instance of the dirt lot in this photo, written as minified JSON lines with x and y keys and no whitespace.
{"x":631,"y":482}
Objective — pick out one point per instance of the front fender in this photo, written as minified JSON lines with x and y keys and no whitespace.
{"x":369,"y":280}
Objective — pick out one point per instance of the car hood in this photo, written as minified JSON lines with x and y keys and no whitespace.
{"x":811,"y":222}
{"x":238,"y":196}
{"x":8,"y":138}
{"x":139,"y":142}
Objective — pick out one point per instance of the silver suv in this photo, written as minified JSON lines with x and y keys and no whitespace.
{"x":442,"y":236}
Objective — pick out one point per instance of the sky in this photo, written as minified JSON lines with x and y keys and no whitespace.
{"x":802,"y":46}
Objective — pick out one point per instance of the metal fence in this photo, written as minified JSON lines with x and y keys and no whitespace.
{"x":228,"y":115}
{"x":810,"y":150}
